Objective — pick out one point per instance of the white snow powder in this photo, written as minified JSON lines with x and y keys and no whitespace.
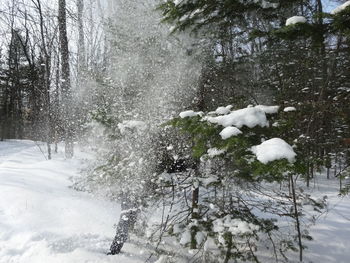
{"x":274,"y":149}
{"x":288,"y":109}
{"x":295,"y":20}
{"x":340,"y":8}
{"x":228,"y":132}
{"x":132,"y":125}
{"x":170,"y":147}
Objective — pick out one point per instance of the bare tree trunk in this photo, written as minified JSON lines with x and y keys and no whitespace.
{"x":126,"y":222}
{"x":66,"y":87}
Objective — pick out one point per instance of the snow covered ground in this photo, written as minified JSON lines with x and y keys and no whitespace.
{"x":331,"y":233}
{"x":43,"y":220}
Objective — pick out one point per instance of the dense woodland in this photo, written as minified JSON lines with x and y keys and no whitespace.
{"x":114,"y":76}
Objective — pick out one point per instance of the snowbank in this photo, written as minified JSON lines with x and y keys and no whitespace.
{"x":295,"y":20}
{"x":274,"y":149}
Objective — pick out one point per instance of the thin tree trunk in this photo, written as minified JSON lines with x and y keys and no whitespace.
{"x":328,"y":171}
{"x":47,"y":82}
{"x":194,"y":209}
{"x":56,"y":104}
{"x":296,"y":217}
{"x":81,"y":38}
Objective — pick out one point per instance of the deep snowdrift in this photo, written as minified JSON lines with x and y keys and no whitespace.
{"x":43,"y":220}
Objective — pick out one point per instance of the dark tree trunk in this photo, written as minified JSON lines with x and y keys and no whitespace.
{"x":66,"y":89}
{"x":126,"y":222}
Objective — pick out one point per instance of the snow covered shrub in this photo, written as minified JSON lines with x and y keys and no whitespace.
{"x":241,"y":182}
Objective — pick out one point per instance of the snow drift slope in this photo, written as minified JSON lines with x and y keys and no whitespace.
{"x":42,"y":219}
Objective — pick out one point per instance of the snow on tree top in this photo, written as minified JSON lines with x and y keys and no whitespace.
{"x":272,"y":150}
{"x":295,"y":20}
{"x":228,"y":132}
{"x":340,"y":8}
{"x":288,"y":109}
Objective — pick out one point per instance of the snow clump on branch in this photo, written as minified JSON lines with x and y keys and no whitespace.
{"x":249,"y":117}
{"x":295,"y":20}
{"x":228,"y":132}
{"x":272,"y":150}
{"x":234,"y":225}
{"x":189,"y":113}
{"x":288,"y":109}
